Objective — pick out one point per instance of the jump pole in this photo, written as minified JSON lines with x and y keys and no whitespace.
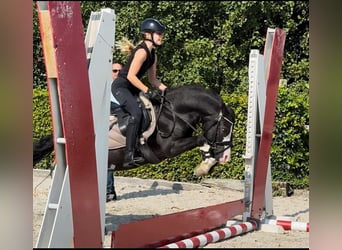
{"x":165,"y":229}
{"x":288,"y":224}
{"x":214,"y":236}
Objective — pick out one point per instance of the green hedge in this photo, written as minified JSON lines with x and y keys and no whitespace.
{"x":42,"y":124}
{"x":289,"y":151}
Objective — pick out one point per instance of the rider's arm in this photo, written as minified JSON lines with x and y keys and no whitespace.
{"x":152,"y":76}
{"x":138,"y":60}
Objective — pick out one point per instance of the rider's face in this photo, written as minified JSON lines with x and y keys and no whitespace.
{"x":158,"y":38}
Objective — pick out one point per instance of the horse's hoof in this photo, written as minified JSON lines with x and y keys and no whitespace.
{"x":199,"y":171}
{"x":204,"y":167}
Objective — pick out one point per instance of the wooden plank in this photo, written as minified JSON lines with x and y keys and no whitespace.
{"x":165,"y":229}
{"x":47,"y":43}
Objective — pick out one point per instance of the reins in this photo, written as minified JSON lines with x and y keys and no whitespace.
{"x":163,"y":98}
{"x":212,"y":144}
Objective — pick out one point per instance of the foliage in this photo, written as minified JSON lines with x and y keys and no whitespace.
{"x":226,"y":29}
{"x":208,"y":43}
{"x":42,"y":124}
{"x":290,"y":148}
{"x":41,"y":110}
{"x":39,"y":75}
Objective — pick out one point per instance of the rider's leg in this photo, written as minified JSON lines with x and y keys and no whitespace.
{"x":111,"y":194}
{"x":131,"y":140}
{"x":130,"y":105}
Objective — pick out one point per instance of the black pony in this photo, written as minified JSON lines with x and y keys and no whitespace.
{"x":185,"y":117}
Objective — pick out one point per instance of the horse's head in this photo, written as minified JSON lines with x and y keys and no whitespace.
{"x":219,"y":134}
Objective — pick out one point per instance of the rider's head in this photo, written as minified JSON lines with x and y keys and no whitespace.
{"x":153,"y":30}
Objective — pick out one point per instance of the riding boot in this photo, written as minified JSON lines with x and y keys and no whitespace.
{"x":131,"y":138}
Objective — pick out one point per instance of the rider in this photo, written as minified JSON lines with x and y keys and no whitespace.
{"x":127,"y":86}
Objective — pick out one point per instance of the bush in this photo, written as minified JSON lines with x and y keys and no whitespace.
{"x":42,"y":124}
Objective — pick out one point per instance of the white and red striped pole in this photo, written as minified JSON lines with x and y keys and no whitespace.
{"x":289,"y":225}
{"x":213,"y":236}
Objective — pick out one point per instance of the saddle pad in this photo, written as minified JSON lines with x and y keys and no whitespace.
{"x":117,"y":140}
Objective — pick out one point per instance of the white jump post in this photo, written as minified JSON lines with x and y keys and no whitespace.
{"x":260,"y":118}
{"x":263,"y":72}
{"x":79,"y":78}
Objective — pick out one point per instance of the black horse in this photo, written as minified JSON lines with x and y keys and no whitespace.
{"x":186,"y":117}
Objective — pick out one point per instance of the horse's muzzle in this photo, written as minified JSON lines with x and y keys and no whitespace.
{"x":225,"y":156}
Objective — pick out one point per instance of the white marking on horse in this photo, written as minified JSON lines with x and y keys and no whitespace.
{"x":226,"y":154}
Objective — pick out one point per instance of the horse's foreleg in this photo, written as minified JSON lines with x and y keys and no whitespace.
{"x":185,"y":144}
{"x":181,"y":145}
{"x":208,"y":162}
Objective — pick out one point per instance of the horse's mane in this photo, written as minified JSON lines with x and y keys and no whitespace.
{"x":195,"y":88}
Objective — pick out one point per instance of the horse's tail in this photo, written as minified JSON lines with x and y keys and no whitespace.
{"x":41,"y":148}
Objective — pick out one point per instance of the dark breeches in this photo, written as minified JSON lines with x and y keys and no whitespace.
{"x":129,"y":103}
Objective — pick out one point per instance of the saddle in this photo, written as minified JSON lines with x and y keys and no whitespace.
{"x":119,"y":119}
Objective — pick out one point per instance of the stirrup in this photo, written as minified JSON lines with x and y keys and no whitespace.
{"x":134,"y":163}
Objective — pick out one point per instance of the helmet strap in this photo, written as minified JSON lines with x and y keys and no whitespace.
{"x":151,"y":40}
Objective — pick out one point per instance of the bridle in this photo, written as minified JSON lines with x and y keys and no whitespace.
{"x":226,"y":144}
{"x":214,"y":143}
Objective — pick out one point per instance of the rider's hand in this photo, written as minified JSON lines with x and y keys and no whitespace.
{"x":153,"y":94}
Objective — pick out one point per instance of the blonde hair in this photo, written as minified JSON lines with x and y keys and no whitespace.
{"x":125,"y":46}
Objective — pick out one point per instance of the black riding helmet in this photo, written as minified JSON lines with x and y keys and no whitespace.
{"x":152,"y":25}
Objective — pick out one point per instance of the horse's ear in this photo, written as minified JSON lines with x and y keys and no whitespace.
{"x":230,"y":111}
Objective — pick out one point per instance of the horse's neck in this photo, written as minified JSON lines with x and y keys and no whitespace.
{"x":195,"y":104}
{"x":201,"y":101}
